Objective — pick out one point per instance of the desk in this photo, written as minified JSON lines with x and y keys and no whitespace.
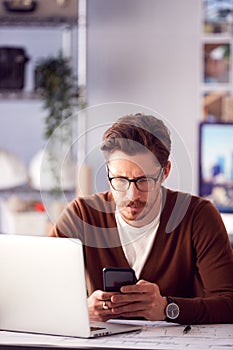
{"x":154,"y":335}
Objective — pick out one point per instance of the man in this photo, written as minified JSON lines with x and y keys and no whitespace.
{"x":175,"y":242}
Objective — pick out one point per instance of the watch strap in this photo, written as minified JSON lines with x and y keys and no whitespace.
{"x":169,"y":300}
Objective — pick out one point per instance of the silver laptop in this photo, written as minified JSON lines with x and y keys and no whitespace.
{"x":43,"y":288}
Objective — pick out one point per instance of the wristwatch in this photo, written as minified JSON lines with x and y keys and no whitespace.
{"x":172,"y":310}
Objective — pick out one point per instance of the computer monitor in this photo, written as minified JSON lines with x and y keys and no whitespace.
{"x":216,"y":164}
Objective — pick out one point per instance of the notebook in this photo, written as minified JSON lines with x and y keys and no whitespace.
{"x":43,"y":288}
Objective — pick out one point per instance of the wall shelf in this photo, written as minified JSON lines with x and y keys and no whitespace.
{"x":22,"y":21}
{"x":51,"y":13}
{"x":18,"y":95}
{"x":37,"y":21}
{"x":63,"y":25}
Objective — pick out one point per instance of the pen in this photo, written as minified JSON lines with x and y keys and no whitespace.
{"x":186,"y":329}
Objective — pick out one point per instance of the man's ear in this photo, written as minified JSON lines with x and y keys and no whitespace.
{"x":166,"y":170}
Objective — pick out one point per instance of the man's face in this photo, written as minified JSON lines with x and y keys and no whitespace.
{"x":132,"y":203}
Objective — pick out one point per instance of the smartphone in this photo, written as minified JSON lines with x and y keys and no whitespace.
{"x":114,"y":278}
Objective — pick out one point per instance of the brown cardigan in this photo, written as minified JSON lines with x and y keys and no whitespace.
{"x":191,"y":259}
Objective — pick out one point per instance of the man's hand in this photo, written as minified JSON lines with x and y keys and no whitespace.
{"x":139,"y":300}
{"x":99,"y":306}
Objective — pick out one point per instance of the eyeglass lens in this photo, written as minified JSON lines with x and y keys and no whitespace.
{"x":122,"y":184}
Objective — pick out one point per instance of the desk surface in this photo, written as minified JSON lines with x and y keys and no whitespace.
{"x":154,"y":335}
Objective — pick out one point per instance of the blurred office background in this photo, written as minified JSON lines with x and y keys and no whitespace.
{"x":140,"y":56}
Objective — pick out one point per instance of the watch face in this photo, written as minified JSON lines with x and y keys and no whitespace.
{"x":172,"y":311}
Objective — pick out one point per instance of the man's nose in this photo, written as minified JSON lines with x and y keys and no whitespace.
{"x":132,"y":192}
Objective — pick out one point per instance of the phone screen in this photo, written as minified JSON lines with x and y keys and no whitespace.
{"x":115,"y":278}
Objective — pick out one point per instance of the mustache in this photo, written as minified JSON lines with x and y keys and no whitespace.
{"x":137,"y":203}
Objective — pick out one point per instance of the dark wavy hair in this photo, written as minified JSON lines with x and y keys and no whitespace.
{"x":137,"y":133}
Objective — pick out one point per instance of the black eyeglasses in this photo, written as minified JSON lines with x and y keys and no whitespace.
{"x":142,"y":183}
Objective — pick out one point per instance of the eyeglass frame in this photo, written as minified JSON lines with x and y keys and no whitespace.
{"x":135,"y":180}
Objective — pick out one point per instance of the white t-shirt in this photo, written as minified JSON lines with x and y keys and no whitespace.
{"x":136,"y":241}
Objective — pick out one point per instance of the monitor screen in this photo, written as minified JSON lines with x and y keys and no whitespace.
{"x":216,"y":164}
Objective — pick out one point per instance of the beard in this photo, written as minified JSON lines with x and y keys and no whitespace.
{"x":139,"y":212}
{"x":132,"y":210}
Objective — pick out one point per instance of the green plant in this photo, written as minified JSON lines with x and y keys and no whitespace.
{"x":58,"y":89}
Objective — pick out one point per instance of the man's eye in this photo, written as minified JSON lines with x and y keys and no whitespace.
{"x":143,"y":181}
{"x":120,"y":180}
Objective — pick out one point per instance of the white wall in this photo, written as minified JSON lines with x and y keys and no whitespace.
{"x":21,"y":128}
{"x":146,"y":52}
